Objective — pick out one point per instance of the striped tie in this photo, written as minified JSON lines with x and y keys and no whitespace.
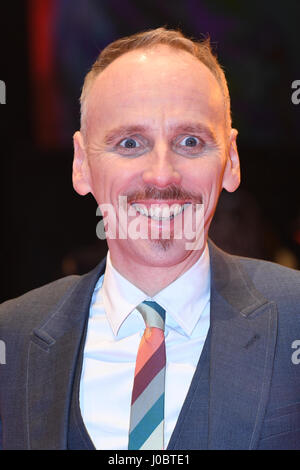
{"x":148,"y":394}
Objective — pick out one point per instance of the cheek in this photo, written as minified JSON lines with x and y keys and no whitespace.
{"x":206,"y":179}
{"x":100,"y":183}
{"x":109,"y":181}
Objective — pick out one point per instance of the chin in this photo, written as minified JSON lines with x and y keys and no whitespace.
{"x":162,"y":252}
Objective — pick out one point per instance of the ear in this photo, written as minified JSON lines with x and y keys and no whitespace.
{"x":232,"y":172}
{"x":81,"y":171}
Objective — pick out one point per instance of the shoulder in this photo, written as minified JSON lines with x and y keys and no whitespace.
{"x":37,"y":302}
{"x":275,"y":282}
{"x":25,"y":312}
{"x":260,"y":278}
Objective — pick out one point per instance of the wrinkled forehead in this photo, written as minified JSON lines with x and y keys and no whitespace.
{"x":159,"y":81}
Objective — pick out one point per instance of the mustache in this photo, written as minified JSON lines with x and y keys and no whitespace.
{"x":172,"y":192}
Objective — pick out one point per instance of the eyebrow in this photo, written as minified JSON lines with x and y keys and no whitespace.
{"x":110,"y":137}
{"x":183,"y":128}
{"x":196,"y":128}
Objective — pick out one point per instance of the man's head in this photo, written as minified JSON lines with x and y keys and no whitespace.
{"x":149,"y":39}
{"x":156,"y":128}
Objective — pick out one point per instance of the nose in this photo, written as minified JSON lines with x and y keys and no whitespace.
{"x":161,"y":170}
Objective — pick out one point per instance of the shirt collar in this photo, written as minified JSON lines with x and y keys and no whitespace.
{"x":120,"y":296}
{"x":186,"y":309}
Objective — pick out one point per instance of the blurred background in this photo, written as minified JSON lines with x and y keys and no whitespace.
{"x":47,"y":47}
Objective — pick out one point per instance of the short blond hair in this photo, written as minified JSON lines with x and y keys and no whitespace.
{"x":145,"y":40}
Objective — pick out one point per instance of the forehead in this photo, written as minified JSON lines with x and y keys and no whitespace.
{"x":158,"y":84}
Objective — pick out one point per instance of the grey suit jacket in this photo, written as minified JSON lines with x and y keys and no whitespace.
{"x":254,"y":398}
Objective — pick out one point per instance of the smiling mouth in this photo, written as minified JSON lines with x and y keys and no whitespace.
{"x":160,"y":212}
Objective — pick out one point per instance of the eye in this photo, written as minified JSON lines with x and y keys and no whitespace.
{"x":189,"y":145}
{"x":129,"y":143}
{"x":190,"y":141}
{"x":133,"y":146}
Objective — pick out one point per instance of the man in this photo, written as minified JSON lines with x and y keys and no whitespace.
{"x":155,"y":144}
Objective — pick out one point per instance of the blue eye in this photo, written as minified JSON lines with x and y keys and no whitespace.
{"x":190,"y":141}
{"x":129,"y":143}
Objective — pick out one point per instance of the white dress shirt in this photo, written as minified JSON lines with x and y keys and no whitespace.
{"x":114,"y":332}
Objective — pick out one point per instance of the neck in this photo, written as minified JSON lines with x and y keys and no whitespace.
{"x":149,"y":277}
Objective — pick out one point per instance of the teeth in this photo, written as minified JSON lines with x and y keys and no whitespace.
{"x":151,"y":212}
{"x":141,"y":209}
{"x":165,"y":212}
{"x":178,"y":209}
{"x":157,"y":212}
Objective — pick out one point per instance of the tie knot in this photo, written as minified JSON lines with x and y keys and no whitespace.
{"x":153,"y":314}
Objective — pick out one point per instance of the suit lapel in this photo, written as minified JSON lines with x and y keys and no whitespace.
{"x":243,"y":335}
{"x":52,"y":360}
{"x":243,"y":327}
